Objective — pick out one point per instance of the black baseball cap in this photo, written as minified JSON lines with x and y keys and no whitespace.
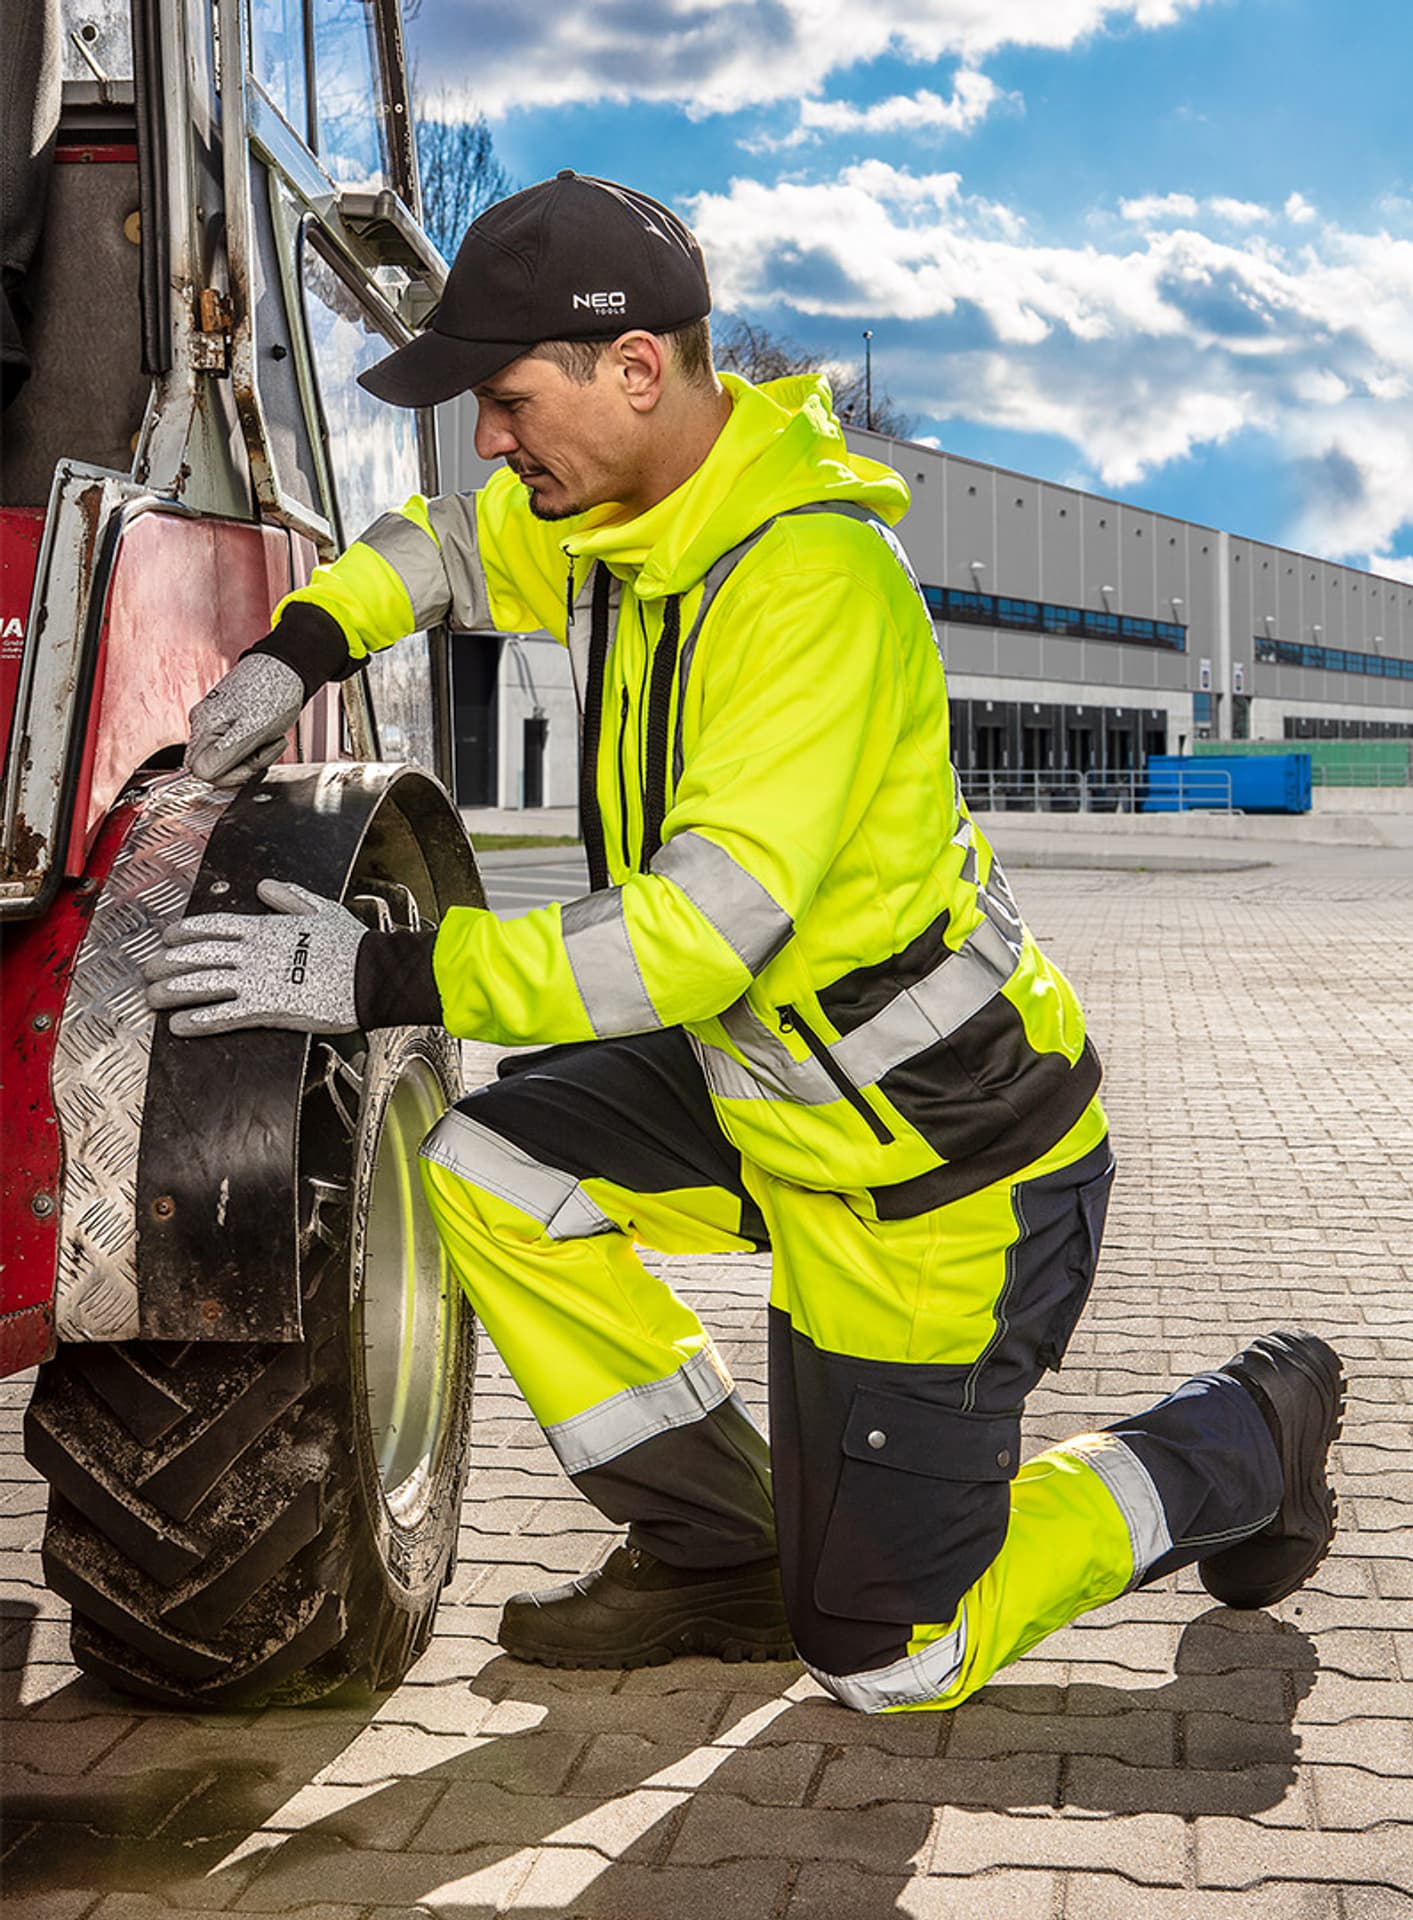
{"x":573,"y":258}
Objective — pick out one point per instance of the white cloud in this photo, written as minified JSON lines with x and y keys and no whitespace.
{"x":924,"y":112}
{"x":1161,"y":209}
{"x":1298,"y":209}
{"x":1150,"y":208}
{"x":1394,"y":566}
{"x":1320,"y":387}
{"x":1137,"y":353}
{"x":733,"y":53}
{"x":1238,"y":213}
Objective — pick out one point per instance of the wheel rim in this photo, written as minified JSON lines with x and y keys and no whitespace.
{"x":407,"y":1306}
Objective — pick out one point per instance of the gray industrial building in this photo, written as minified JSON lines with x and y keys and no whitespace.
{"x":1081,"y":635}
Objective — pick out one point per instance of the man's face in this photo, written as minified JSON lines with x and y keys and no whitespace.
{"x":568,"y":442}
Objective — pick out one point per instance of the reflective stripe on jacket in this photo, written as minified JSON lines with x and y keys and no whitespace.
{"x":787,"y":868}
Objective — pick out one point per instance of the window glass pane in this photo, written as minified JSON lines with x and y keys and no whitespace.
{"x":277,"y":57}
{"x":1062,"y":619}
{"x":1018,"y":613}
{"x":373,"y":458}
{"x":348,"y":85}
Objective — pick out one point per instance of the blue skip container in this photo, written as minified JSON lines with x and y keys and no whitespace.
{"x":1260,"y":783}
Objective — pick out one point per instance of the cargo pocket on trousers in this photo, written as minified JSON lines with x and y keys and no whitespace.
{"x":920,"y":1511}
{"x":1082,"y":1259}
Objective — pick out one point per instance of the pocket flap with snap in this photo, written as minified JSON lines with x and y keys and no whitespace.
{"x":918,"y":1436}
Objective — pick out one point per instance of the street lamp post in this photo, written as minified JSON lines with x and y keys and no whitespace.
{"x":868,"y":378}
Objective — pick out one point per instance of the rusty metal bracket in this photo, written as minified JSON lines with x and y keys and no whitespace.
{"x":215,"y":321}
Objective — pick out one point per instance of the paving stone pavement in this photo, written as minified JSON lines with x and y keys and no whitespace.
{"x":1163,"y":1758}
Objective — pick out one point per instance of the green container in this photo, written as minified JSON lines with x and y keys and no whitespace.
{"x":1333,"y":763}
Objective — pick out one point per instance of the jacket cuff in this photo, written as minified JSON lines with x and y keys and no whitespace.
{"x":312,"y":643}
{"x":393,"y":982}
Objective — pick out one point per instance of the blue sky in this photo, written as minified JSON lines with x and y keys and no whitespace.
{"x":1162,"y":248}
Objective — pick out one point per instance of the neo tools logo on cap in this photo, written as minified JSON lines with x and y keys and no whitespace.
{"x":602,"y":302}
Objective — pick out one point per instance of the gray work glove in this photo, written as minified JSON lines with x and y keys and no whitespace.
{"x":240,"y":727}
{"x":292,"y":968}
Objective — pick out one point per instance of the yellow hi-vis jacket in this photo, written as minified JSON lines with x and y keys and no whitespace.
{"x":786,"y":865}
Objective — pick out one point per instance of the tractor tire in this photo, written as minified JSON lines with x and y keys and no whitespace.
{"x":238,"y":1523}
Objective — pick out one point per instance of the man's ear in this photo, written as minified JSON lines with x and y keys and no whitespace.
{"x":639,"y":364}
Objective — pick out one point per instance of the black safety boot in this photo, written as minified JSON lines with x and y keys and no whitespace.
{"x":637,"y":1611}
{"x":1298,"y":1383}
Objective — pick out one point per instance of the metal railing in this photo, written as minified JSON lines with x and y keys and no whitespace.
{"x":1355,"y":776}
{"x":1173,"y":790}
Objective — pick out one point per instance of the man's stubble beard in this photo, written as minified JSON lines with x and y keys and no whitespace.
{"x":551,"y":513}
{"x":538,"y":508}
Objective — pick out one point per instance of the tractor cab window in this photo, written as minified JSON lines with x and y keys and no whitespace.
{"x":318,"y":62}
{"x":375,"y":463}
{"x":350,"y":107}
{"x":277,"y":58}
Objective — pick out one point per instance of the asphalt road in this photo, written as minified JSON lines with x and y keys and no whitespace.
{"x":518,"y":879}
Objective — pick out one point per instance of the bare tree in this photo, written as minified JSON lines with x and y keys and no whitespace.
{"x":753,"y":351}
{"x":461,"y":173}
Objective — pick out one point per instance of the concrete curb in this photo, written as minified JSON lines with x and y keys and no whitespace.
{"x":502,"y":857}
{"x":1104,"y":859}
{"x":1306,"y":829}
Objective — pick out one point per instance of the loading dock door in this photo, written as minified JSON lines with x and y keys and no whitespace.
{"x":1120,"y":740}
{"x":535,"y":735}
{"x":1155,"y":733}
{"x":1081,"y":739}
{"x":475,"y":719}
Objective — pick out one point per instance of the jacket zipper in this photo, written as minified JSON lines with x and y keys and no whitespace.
{"x":791,"y":1022}
{"x":623,"y":777}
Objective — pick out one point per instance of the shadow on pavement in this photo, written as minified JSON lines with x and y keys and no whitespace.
{"x":594,"y":1793}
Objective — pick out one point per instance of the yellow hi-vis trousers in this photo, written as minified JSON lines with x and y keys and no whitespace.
{"x":917,"y":1554}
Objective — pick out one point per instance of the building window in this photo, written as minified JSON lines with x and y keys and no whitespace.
{"x":965,"y":607}
{"x":1291,"y":653}
{"x":1019,"y":613}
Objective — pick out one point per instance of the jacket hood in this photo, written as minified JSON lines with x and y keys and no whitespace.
{"x":782,"y":447}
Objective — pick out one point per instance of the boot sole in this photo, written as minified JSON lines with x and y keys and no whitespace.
{"x":1315,"y":1504}
{"x":733,"y":1652}
{"x":732,"y":1642}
